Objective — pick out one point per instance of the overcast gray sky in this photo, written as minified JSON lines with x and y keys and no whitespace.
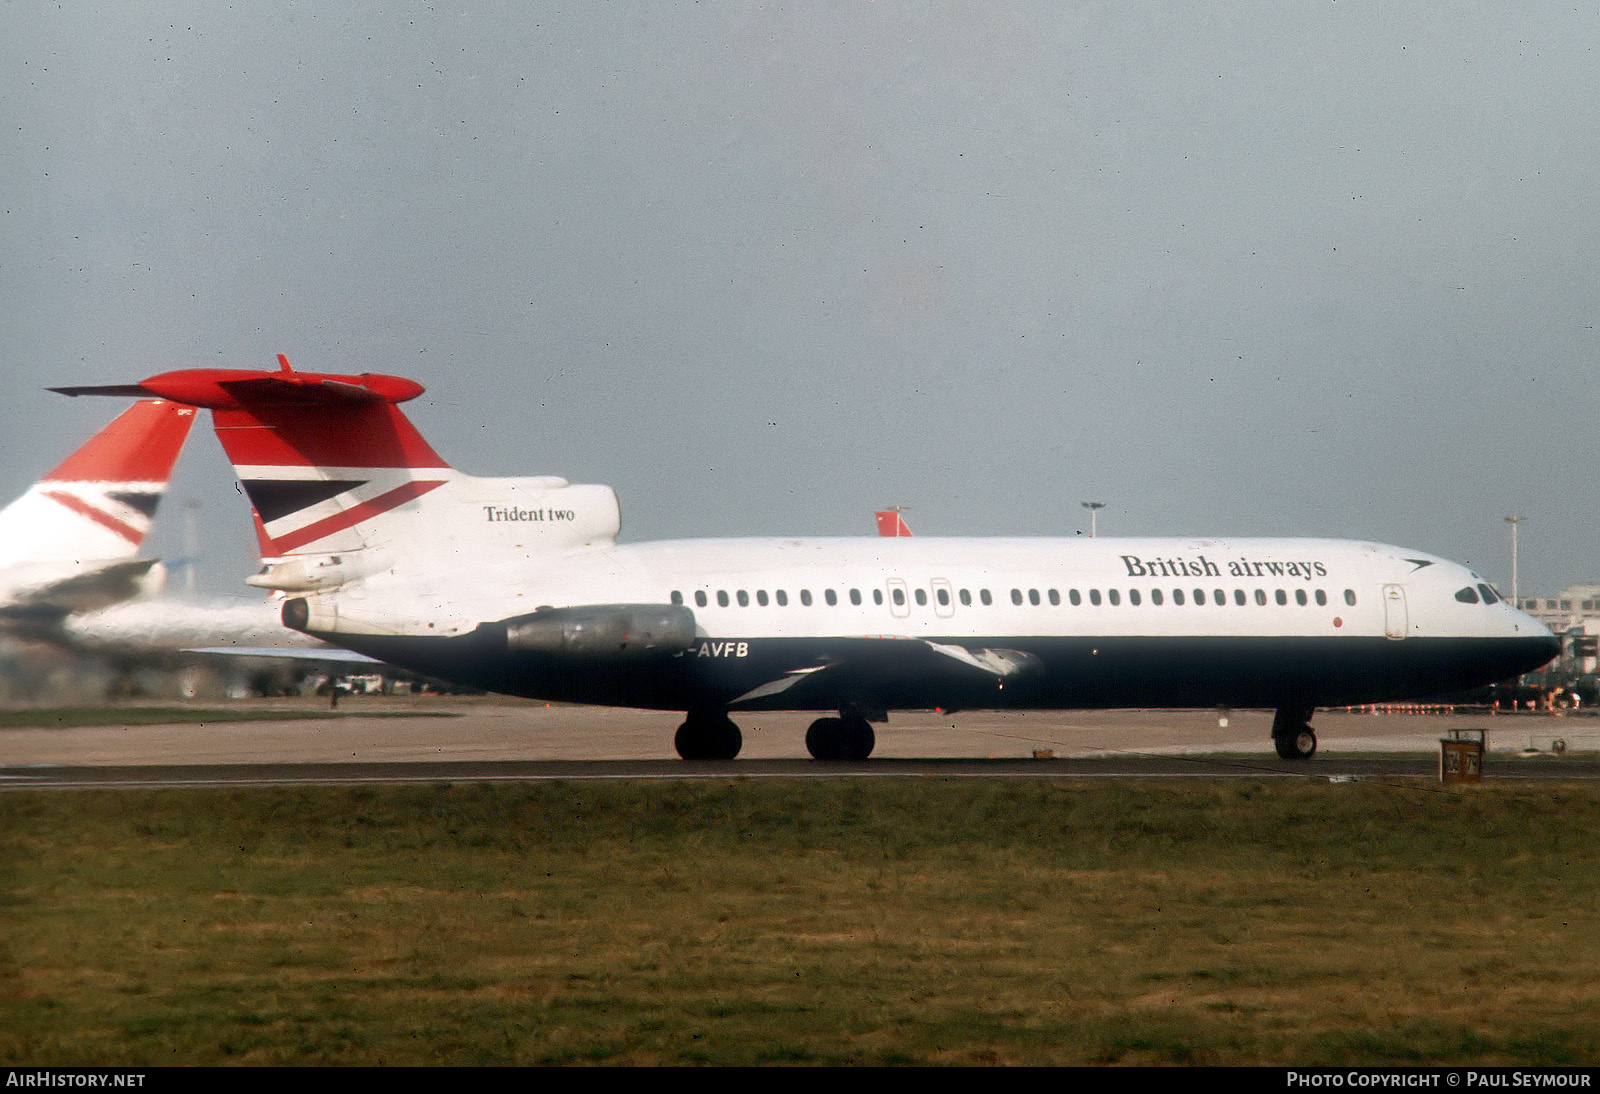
{"x":1247,"y":268}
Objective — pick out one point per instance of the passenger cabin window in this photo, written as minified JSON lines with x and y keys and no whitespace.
{"x":1033,"y":597}
{"x":1238,"y":597}
{"x":1114,"y":596}
{"x":1350,"y":597}
{"x":722,"y":598}
{"x":782,"y":598}
{"x":1133,"y":597}
{"x":1280,"y":596}
{"x":1016,"y":596}
{"x":1300,"y":597}
{"x":805,"y":597}
{"x":1322,"y":598}
{"x":944,"y":597}
{"x":1155,"y":597}
{"x":761,"y":597}
{"x":1094,"y":597}
{"x":983,"y":595}
{"x":744,"y":599}
{"x":1220,"y":597}
{"x":966,"y":598}
{"x":700,"y":598}
{"x":922,"y":597}
{"x":677,"y":597}
{"x":1055,"y":598}
{"x":1177,"y":597}
{"x":1072,"y":595}
{"x":830,"y":596}
{"x":899,"y":596}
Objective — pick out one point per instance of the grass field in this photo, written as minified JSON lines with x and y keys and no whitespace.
{"x":810,"y":921}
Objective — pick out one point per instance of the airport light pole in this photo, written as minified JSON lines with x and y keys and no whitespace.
{"x":1093,"y":507}
{"x":1516,"y":600}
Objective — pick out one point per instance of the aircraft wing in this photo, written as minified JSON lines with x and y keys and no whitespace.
{"x":850,"y":679}
{"x":291,"y":653}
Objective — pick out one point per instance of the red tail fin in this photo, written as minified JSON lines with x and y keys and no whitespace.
{"x":317,"y":453}
{"x":891,"y":523}
{"x":142,"y":445}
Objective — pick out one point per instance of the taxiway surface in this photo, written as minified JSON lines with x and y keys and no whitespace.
{"x":489,"y":739}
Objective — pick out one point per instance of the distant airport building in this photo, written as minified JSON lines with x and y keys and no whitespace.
{"x":1576,"y":606}
{"x":1574,"y":615}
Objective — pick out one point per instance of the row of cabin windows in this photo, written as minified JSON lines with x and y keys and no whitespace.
{"x":941,"y":594}
{"x":1158,"y":597}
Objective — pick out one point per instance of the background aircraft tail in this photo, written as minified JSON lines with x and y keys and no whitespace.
{"x":69,"y":543}
{"x":891,"y":523}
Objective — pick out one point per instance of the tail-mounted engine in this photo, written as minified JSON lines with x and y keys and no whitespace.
{"x":601,"y":631}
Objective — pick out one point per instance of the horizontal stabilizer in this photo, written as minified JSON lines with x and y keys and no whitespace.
{"x":87,"y":590}
{"x":129,"y":391}
{"x":236,"y":389}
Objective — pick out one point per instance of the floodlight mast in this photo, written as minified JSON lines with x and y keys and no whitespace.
{"x":1514,"y":521}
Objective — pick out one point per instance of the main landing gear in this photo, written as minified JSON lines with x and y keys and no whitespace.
{"x":847,"y":737}
{"x":708,"y":735}
{"x":1292,"y":734}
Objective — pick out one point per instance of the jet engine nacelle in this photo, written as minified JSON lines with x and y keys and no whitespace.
{"x":602,"y":631}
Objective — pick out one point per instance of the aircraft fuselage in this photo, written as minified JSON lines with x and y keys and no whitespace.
{"x":1080,"y":623}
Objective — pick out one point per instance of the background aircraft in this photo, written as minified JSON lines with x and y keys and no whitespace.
{"x":71,"y":542}
{"x":72,"y":581}
{"x":892,"y":523}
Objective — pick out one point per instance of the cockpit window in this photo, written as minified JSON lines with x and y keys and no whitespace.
{"x":1469,"y":595}
{"x":1488,"y":594}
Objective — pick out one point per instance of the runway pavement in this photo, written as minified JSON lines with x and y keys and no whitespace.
{"x":476,"y":739}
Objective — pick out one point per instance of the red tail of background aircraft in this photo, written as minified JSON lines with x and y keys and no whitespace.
{"x":891,"y":523}
{"x":69,"y":543}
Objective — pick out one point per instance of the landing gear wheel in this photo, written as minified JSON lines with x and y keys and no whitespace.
{"x":708,"y":737}
{"x":1293,"y":736}
{"x":1297,"y":746}
{"x":848,"y":738}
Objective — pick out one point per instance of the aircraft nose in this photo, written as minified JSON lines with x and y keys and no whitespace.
{"x":1541,"y":641}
